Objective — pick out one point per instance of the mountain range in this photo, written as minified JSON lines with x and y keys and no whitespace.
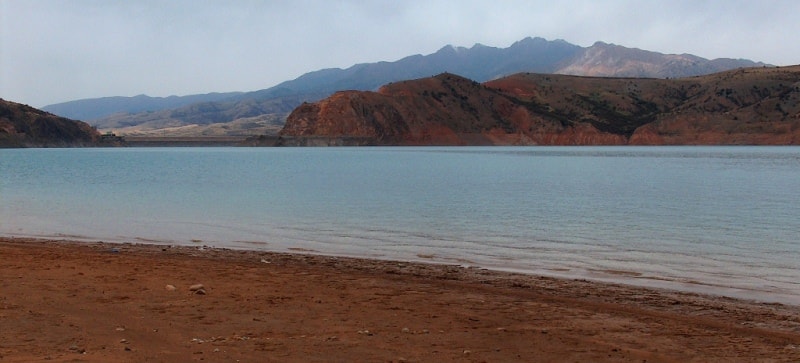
{"x":759,"y":105}
{"x":264,"y":111}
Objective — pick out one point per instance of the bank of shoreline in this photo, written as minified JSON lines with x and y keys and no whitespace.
{"x":632,"y":278}
{"x":65,"y":300}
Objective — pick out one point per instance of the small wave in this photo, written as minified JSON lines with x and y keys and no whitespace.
{"x":301,"y":249}
{"x":252,"y":243}
{"x":150,"y":240}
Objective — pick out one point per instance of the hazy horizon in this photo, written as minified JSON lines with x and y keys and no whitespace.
{"x":90,"y":49}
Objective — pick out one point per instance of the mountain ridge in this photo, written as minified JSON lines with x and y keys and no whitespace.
{"x":480,"y":62}
{"x":744,"y":106}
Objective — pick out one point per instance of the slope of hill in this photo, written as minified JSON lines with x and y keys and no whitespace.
{"x":25,"y":126}
{"x":231,"y":118}
{"x":745,"y":106}
{"x":480,"y":62}
{"x":95,"y":108}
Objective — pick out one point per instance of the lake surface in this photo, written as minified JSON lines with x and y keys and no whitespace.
{"x":721,"y":220}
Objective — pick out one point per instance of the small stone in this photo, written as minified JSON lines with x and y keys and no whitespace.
{"x":169,"y":287}
{"x":119,"y":328}
{"x":127,"y":349}
{"x":123,"y":341}
{"x":198,"y":289}
{"x":467,"y":352}
{"x":406,"y":330}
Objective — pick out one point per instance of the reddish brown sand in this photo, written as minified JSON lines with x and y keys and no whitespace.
{"x":80,"y":302}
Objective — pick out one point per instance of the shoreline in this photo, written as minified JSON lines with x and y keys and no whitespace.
{"x":630,"y":278}
{"x":92,"y":301}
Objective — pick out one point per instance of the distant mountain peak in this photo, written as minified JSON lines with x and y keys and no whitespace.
{"x":446,"y":48}
{"x":611,"y":60}
{"x":532,"y":40}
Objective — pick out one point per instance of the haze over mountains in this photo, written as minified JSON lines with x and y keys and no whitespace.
{"x":264,"y":111}
{"x":94,"y":108}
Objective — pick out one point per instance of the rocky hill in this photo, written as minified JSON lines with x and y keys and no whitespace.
{"x":25,"y":126}
{"x":96,"y":108}
{"x":264,"y":111}
{"x":745,"y":106}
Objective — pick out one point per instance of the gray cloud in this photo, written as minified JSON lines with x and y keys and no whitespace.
{"x":55,"y":51}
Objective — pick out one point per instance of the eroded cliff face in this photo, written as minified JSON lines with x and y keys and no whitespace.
{"x":348,"y":114}
{"x":748,"y":106}
{"x":443,"y":110}
{"x":704,"y":130}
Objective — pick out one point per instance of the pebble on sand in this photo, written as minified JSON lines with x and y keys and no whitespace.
{"x":198,"y":289}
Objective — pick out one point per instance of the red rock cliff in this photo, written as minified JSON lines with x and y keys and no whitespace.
{"x":748,"y":106}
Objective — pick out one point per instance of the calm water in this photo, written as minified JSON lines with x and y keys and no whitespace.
{"x":722,"y":220}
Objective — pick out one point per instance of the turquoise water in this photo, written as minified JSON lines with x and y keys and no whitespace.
{"x":723,"y":220}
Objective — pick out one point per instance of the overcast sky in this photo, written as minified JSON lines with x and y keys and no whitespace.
{"x":54,"y":51}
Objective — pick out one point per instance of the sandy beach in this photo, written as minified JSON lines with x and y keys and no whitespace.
{"x":95,"y":302}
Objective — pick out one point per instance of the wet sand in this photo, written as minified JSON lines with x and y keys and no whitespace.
{"x":95,"y":302}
